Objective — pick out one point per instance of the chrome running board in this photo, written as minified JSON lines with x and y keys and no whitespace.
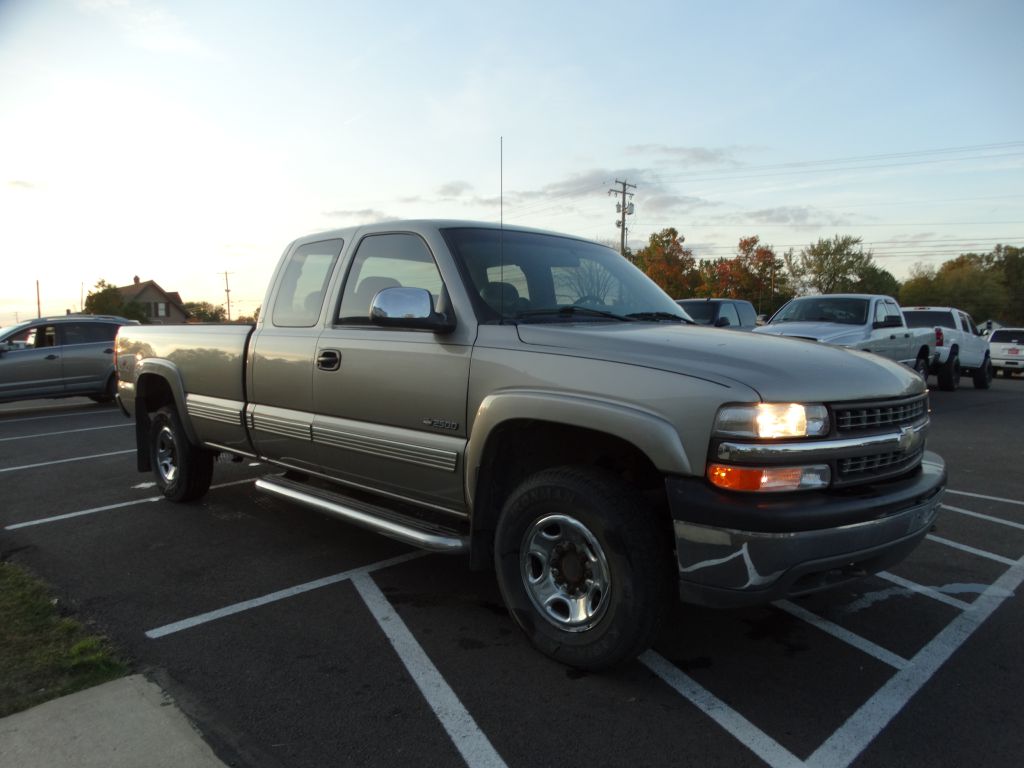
{"x":379,"y":519}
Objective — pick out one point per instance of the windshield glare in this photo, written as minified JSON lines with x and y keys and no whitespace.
{"x":824,"y":310}
{"x":532,"y":277}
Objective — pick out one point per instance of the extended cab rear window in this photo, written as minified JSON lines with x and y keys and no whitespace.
{"x":929,"y":318}
{"x":1003,"y":336}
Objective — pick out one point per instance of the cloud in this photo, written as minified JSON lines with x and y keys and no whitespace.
{"x":689,"y":155}
{"x":145,"y":24}
{"x":673,"y":203}
{"x":454,"y":189}
{"x":794,"y":215}
{"x":362,"y":215}
{"x":19,"y":184}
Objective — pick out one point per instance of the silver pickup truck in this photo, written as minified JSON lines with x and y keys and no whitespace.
{"x":856,"y":321}
{"x":534,"y":401}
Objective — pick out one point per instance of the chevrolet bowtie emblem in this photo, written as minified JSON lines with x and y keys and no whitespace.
{"x":910,"y":439}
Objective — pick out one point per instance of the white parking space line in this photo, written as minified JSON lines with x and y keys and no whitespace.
{"x":62,"y":416}
{"x":471,"y":742}
{"x":66,"y":461}
{"x":989,"y":498}
{"x":920,"y":589}
{"x":861,"y":728}
{"x":748,"y":734}
{"x":971,"y":550}
{"x":273,"y":597}
{"x":862,"y":644}
{"x":94,"y":510}
{"x":65,"y":432}
{"x":69,"y":515}
{"x":980,"y":516}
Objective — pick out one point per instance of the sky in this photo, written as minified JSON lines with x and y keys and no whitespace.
{"x":181,"y":140}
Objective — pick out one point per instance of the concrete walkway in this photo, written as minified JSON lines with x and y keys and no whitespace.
{"x":127,"y":723}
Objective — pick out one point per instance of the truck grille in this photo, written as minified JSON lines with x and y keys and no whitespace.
{"x":881,"y":463}
{"x":875,"y":415}
{"x":864,"y":419}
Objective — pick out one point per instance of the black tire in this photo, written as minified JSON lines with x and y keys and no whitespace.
{"x":949,"y":374}
{"x":183,"y":471}
{"x":109,"y":391}
{"x":921,"y":367}
{"x":983,"y":375}
{"x":579,"y":539}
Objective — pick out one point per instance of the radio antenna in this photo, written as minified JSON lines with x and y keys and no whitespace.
{"x":501,"y":227}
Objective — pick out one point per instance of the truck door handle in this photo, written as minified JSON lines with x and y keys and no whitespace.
{"x":108,"y":351}
{"x":50,"y":357}
{"x":328,"y":360}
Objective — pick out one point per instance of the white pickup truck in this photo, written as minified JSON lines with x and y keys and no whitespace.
{"x":856,"y":321}
{"x":960,"y":347}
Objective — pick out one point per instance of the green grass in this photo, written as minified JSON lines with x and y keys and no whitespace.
{"x":43,"y":654}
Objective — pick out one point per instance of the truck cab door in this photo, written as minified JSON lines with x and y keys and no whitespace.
{"x":883,"y":339}
{"x":974,"y":345}
{"x":32,"y":364}
{"x":282,"y":358}
{"x":390,"y":401}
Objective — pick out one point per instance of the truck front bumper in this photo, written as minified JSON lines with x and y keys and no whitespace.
{"x":741,"y":549}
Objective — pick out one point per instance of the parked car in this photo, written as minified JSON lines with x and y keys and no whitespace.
{"x":866,"y":322}
{"x":721,"y":313}
{"x":959,"y":346}
{"x":64,"y":356}
{"x":1006,"y":350}
{"x":536,"y":402}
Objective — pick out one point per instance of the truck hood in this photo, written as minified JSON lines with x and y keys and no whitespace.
{"x":830,"y":333}
{"x":778,"y":369}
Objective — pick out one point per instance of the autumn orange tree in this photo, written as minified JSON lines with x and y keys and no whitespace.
{"x":669,"y":264}
{"x":756,"y":273}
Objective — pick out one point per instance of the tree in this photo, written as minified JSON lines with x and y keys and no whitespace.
{"x":668,"y":263}
{"x":835,"y":264}
{"x":874,"y":279}
{"x":105,"y":299}
{"x":205,"y":312}
{"x":918,"y":289}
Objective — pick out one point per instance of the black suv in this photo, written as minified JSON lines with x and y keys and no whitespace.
{"x":721,"y":313}
{"x":60,"y":356}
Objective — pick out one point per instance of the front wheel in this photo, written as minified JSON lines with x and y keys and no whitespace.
{"x":183,"y":471}
{"x":921,"y":367}
{"x":983,"y":375}
{"x":583,"y":566}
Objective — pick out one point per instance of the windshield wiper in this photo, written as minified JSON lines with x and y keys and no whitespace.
{"x":572,"y":310}
{"x":659,"y":316}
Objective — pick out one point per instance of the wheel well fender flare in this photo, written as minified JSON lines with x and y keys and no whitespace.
{"x":651,"y":434}
{"x":168,"y":373}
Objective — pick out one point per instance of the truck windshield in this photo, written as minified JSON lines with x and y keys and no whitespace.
{"x":929,"y":318}
{"x":533,"y":277}
{"x":824,"y":309}
{"x":702,"y":312}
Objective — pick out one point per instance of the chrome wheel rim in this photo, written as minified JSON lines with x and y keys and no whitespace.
{"x":565,"y":573}
{"x":166,"y":455}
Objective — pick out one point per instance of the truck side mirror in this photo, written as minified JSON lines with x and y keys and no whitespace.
{"x":722,"y":322}
{"x":410,"y":308}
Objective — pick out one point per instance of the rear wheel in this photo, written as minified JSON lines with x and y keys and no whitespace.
{"x":109,"y":391}
{"x":983,"y":375}
{"x":583,"y":566}
{"x":949,"y":374}
{"x":183,"y":471}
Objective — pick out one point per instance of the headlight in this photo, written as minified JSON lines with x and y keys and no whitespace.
{"x":772,"y":420}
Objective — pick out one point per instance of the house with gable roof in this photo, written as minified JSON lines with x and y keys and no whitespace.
{"x":161,"y":307}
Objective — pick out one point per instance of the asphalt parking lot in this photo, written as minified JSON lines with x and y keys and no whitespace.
{"x":292,"y":639}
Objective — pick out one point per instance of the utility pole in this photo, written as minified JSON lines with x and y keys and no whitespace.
{"x":626,"y":209}
{"x":39,"y":304}
{"x":227,"y":293}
